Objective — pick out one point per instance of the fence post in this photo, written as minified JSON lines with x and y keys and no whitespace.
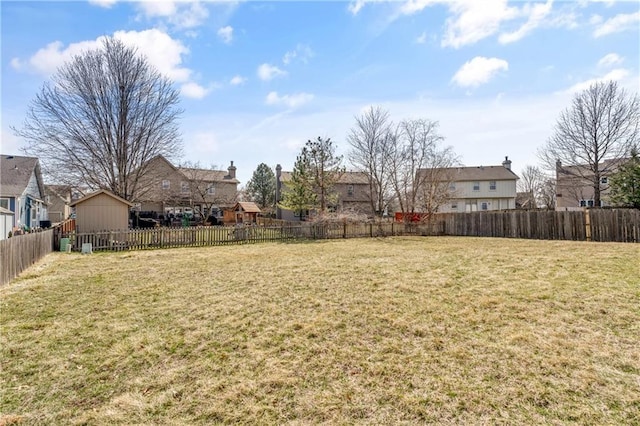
{"x":587,"y":224}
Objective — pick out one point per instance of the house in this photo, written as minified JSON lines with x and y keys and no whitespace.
{"x":22,"y":191}
{"x":169,"y":190}
{"x":574,"y":185}
{"x":469,"y":189}
{"x":59,"y":198}
{"x":351,"y":190}
{"x":100,"y":211}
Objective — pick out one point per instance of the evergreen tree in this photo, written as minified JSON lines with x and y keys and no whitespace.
{"x":625,"y":184}
{"x":299,"y":195}
{"x":262,"y":186}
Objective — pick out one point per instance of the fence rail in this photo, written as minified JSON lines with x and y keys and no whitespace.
{"x":21,"y":251}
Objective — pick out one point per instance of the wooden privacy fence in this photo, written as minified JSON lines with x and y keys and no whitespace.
{"x":21,"y":251}
{"x":604,"y":225}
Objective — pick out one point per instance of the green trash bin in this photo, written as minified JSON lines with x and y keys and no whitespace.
{"x":64,"y":242}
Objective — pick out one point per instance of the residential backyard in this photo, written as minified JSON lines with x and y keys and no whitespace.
{"x":401,"y":330}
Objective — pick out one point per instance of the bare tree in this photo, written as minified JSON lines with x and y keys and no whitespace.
{"x":601,"y":124}
{"x":419,"y":167}
{"x":371,"y":145}
{"x":207,"y":189}
{"x":100,"y":120}
{"x":548,"y":193}
{"x":530,"y":185}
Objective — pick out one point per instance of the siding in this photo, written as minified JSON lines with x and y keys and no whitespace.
{"x":100,"y":213}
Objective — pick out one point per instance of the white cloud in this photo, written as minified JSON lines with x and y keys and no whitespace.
{"x":478,"y":71}
{"x":537,"y":14}
{"x":182,"y":14}
{"x":613,"y":75}
{"x":422,"y":38}
{"x":226,"y":34}
{"x":103,"y":3}
{"x":291,"y":101}
{"x":609,"y":60}
{"x":237,"y":80}
{"x":414,"y":6}
{"x":475,"y":20}
{"x":355,"y":6}
{"x":162,"y":52}
{"x":617,"y":24}
{"x":194,"y":90}
{"x":302,"y":53}
{"x":268,"y":72}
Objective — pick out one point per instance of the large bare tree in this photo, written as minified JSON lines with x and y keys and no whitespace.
{"x":101,"y":118}
{"x":594,"y":135}
{"x":530,"y":185}
{"x":371,"y":143}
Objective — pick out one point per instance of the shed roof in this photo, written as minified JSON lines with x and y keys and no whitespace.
{"x":102,"y":191}
{"x":247,"y":206}
{"x":15,"y":172}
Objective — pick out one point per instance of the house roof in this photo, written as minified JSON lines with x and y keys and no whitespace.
{"x":15,"y":172}
{"x":102,"y":191}
{"x":205,"y":175}
{"x":476,"y":173}
{"x":247,"y":206}
{"x":346,"y":177}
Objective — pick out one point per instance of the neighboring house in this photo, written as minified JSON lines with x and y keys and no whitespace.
{"x":167,"y":189}
{"x":352,"y":194}
{"x":59,"y":198}
{"x":22,"y":191}
{"x":470,"y":189}
{"x":101,"y":211}
{"x":574,"y":185}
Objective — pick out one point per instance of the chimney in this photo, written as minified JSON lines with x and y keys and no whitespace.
{"x":232,"y":171}
{"x":507,"y":163}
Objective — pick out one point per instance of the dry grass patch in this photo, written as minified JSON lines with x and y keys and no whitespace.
{"x":397,"y":330}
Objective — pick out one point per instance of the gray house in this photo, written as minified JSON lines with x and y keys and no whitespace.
{"x":22,"y":191}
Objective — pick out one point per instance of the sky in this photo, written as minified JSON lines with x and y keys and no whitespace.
{"x":258,"y":79}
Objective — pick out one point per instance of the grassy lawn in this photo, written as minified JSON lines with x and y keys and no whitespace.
{"x":369,"y":331}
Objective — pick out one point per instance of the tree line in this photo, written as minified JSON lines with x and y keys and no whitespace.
{"x":107,"y":112}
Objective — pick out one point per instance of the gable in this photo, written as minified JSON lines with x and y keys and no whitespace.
{"x":18,"y":174}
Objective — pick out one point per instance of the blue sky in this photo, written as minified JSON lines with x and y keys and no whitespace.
{"x":258,"y":79}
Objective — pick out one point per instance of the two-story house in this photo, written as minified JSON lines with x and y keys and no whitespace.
{"x":58,"y":198}
{"x":575,"y":185}
{"x":167,"y":189}
{"x":469,"y":189}
{"x":351,"y":195}
{"x":22,"y":191}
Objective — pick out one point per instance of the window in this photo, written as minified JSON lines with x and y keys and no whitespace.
{"x":604,"y":180}
{"x":166,"y":184}
{"x":184,"y":186}
{"x":484,"y":206}
{"x":211,"y":189}
{"x":452,"y":186}
{"x":350,"y":190}
{"x":492,"y":185}
{"x":476,"y":186}
{"x":454,"y":206}
{"x":4,"y":203}
{"x":590,"y":203}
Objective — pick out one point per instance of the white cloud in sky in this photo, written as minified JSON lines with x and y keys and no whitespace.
{"x":355,"y":6}
{"x":474,"y":20}
{"x":103,"y":3}
{"x":619,"y":23}
{"x":610,"y":60}
{"x":422,"y":38}
{"x":268,"y":72}
{"x":237,"y":80}
{"x":292,"y":101}
{"x":226,"y":34}
{"x":194,"y":90}
{"x":537,"y":14}
{"x":302,"y":53}
{"x":183,"y":14}
{"x":479,"y":70}
{"x":617,"y":74}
